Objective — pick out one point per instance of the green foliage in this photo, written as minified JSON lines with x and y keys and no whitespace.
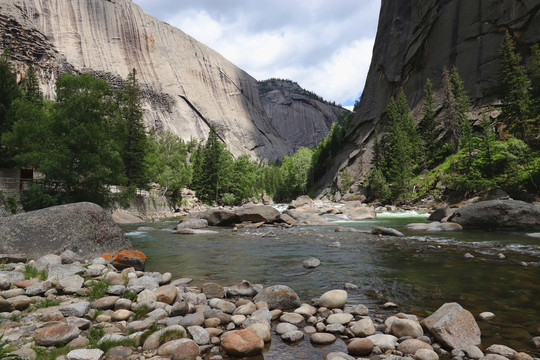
{"x":109,"y":344}
{"x":9,"y":92}
{"x":50,"y":353}
{"x":295,"y":174}
{"x":74,"y":143}
{"x":130,"y":295}
{"x":10,"y":202}
{"x":515,"y":85}
{"x":326,"y":151}
{"x":30,"y":272}
{"x":346,"y":180}
{"x":98,"y":288}
{"x":6,"y":351}
{"x":136,"y":141}
{"x":171,"y":334}
{"x":228,"y":199}
{"x":214,"y":169}
{"x":94,"y":335}
{"x":167,"y":163}
{"x":46,"y":303}
{"x":140,"y":312}
{"x":401,"y":146}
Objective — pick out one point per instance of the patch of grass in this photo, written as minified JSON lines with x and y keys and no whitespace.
{"x":15,"y":317}
{"x":94,"y":335}
{"x":126,"y":278}
{"x":130,"y":296}
{"x":30,"y":272}
{"x":98,"y":289}
{"x":140,"y":312}
{"x":46,"y":303}
{"x":148,"y":332}
{"x":6,"y":351}
{"x":171,"y":334}
{"x":107,"y":345}
{"x":50,"y":353}
{"x":42,"y":275}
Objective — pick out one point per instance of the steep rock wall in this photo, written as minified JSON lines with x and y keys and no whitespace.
{"x":300,"y":118}
{"x":187,"y":86}
{"x":415,"y":40}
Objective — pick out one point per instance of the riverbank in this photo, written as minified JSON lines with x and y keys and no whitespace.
{"x":84,"y":309}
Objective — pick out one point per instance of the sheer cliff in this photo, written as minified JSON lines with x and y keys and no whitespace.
{"x":186,"y":86}
{"x":415,"y":40}
{"x":301,"y":118}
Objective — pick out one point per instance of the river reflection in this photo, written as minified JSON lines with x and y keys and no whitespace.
{"x":419,"y":272}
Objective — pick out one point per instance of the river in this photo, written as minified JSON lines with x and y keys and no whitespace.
{"x":419,"y":272}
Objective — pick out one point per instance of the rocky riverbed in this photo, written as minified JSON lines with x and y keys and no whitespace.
{"x":62,"y":307}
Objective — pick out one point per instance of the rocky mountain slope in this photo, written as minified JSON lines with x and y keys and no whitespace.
{"x":415,"y":40}
{"x":300,"y":117}
{"x":187,"y":86}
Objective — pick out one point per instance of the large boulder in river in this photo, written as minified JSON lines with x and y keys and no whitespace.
{"x":308,"y":218}
{"x":453,"y":326}
{"x":215,"y":217}
{"x":498,"y":215}
{"x":84,"y":228}
{"x":300,"y":201}
{"x":257,"y":213}
{"x":355,"y":210}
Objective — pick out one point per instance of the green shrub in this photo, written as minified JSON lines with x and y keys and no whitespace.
{"x":46,"y":303}
{"x":98,"y":289}
{"x":6,"y":351}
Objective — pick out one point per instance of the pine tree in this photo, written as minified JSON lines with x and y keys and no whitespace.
{"x":403,"y":144}
{"x":136,"y":141}
{"x":450,"y":115}
{"x":428,"y":126}
{"x":463,"y":106}
{"x":515,"y":85}
{"x":30,"y":87}
{"x":216,"y":163}
{"x":9,"y":91}
{"x":376,"y":160}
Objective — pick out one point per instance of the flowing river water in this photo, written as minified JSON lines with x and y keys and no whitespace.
{"x":419,"y":272}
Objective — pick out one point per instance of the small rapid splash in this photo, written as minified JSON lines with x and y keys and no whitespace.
{"x":401,"y":214}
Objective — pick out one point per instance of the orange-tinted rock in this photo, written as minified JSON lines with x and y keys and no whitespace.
{"x":57,"y":335}
{"x":126,"y":259}
{"x":243,"y":343}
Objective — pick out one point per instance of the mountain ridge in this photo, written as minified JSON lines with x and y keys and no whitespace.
{"x":186,"y":86}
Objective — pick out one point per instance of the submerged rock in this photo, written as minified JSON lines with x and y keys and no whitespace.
{"x":311,"y":263}
{"x":379,"y":230}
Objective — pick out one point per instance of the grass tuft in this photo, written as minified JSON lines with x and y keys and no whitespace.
{"x":98,"y":289}
{"x":46,"y":303}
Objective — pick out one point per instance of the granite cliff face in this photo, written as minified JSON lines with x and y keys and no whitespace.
{"x":415,"y":40}
{"x":300,"y":117}
{"x":186,"y":86}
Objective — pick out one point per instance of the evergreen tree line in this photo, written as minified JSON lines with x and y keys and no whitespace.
{"x":93,"y":136}
{"x":447,"y":149}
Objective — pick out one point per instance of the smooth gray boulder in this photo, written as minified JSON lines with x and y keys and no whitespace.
{"x":215,"y":217}
{"x":84,"y":228}
{"x":306,"y":218}
{"x":257,"y":213}
{"x":453,"y":327}
{"x":498,"y":215}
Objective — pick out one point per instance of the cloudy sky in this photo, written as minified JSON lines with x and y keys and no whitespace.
{"x":324,"y":45}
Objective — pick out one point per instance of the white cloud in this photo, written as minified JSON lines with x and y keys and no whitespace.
{"x":323,"y":45}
